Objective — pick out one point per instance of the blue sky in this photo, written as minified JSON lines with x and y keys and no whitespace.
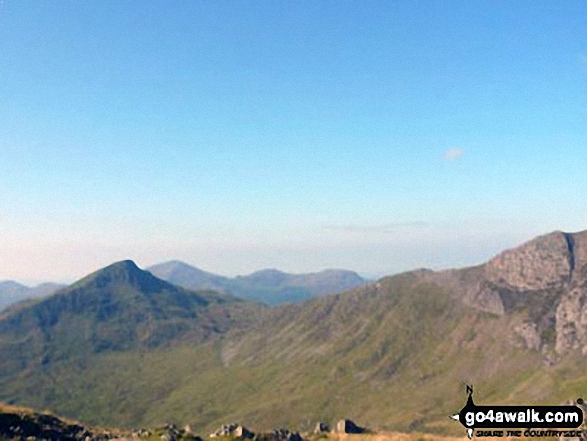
{"x":238,"y":135}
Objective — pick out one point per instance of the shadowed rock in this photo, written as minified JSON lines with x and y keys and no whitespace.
{"x":236,"y":430}
{"x":348,"y":426}
{"x":321,"y":427}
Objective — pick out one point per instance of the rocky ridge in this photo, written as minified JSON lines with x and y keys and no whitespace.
{"x":545,"y":278}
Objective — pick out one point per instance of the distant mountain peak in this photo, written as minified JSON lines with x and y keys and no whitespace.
{"x":268,"y":271}
{"x":116,"y":269}
{"x":172,"y":266}
{"x":175,"y":264}
{"x":128,"y":265}
{"x":13,"y":292}
{"x":270,"y":286}
{"x":11,"y":283}
{"x":12,"y":286}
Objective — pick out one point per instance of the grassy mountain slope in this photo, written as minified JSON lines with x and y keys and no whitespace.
{"x":392,"y":355}
{"x":120,"y":309}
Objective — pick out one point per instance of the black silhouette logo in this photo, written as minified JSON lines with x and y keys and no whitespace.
{"x":474,"y":417}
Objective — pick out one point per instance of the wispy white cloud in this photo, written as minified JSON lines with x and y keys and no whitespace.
{"x":453,"y":154}
{"x":388,"y":228}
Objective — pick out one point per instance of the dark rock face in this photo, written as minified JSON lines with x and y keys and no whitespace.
{"x":347,"y":426}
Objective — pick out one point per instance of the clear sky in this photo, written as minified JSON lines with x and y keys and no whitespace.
{"x":377,"y":136}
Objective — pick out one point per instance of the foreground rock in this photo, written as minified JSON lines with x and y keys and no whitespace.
{"x":279,"y":435}
{"x":347,"y":426}
{"x":240,"y":432}
{"x":321,"y":427}
{"x":24,"y":425}
{"x":20,"y":425}
{"x":170,"y":432}
{"x":235,"y":430}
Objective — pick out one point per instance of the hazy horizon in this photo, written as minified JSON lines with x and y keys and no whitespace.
{"x":371,"y":136}
{"x":470,"y":259}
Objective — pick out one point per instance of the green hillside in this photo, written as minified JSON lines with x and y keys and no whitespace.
{"x":124,"y":348}
{"x":118,"y":310}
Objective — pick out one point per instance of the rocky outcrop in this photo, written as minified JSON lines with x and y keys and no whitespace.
{"x":528,"y":333}
{"x":544,"y":279}
{"x":542,"y":263}
{"x":571,"y":321}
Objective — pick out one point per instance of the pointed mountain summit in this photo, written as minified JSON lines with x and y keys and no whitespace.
{"x":117,"y":308}
{"x":124,"y":273}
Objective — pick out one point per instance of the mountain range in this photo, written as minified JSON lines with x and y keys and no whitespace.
{"x":123,"y":347}
{"x":268,"y":286}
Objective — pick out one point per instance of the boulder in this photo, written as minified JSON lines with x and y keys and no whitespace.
{"x":242,"y":432}
{"x":235,"y":430}
{"x":347,"y":426}
{"x":321,"y":427}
